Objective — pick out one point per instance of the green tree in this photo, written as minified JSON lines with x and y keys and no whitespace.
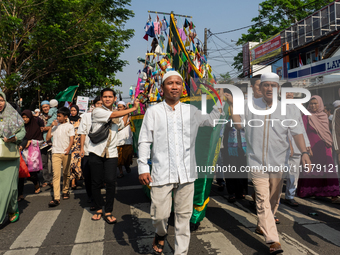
{"x":48,"y":45}
{"x":224,"y":78}
{"x":275,"y":16}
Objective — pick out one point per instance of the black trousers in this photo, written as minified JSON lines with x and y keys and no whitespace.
{"x":46,"y":157}
{"x":103,"y":170}
{"x":85,"y":167}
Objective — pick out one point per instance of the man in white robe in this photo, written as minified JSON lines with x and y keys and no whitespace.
{"x":171,"y":127}
{"x":268,"y":151}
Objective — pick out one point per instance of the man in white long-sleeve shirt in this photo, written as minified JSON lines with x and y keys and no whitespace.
{"x":171,"y":127}
{"x":268,"y":145}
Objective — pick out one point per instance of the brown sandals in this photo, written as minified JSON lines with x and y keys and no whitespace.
{"x":275,"y":248}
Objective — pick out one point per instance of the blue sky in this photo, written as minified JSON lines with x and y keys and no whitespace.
{"x":216,"y":15}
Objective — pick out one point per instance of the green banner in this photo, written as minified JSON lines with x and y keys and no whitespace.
{"x":67,"y":95}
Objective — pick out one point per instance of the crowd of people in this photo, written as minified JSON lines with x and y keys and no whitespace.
{"x":91,"y":145}
{"x":55,"y":143}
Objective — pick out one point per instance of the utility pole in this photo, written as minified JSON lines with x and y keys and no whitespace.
{"x":205,"y":42}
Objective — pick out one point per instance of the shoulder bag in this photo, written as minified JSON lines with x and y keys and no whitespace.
{"x":101,"y":134}
{"x":8,"y":151}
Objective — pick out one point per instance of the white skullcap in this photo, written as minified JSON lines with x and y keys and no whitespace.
{"x":53,"y":103}
{"x":270,"y":77}
{"x":336,"y":103}
{"x":121,"y":102}
{"x":37,"y":110}
{"x":171,"y":73}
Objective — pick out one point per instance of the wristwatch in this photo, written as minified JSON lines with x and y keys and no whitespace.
{"x":305,"y":152}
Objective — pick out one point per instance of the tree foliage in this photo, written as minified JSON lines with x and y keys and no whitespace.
{"x":275,"y":16}
{"x":224,"y":78}
{"x":48,"y":45}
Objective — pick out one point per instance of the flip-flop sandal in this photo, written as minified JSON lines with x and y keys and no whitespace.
{"x":96,"y":214}
{"x":54,"y":203}
{"x":106,"y":218}
{"x":156,"y":244}
{"x":291,"y":202}
{"x":37,"y":191}
{"x":336,"y":201}
{"x":66,"y":196}
{"x":258,"y":231}
{"x":275,"y":248}
{"x":16,"y":214}
{"x":277,"y":221}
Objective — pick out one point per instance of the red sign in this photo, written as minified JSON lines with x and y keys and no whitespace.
{"x":266,"y":47}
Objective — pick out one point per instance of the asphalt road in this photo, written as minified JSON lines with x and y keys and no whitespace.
{"x":227,"y":228}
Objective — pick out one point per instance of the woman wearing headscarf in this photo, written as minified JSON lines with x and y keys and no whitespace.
{"x":75,"y":166}
{"x":33,"y":127}
{"x":11,"y":131}
{"x":322,"y":180}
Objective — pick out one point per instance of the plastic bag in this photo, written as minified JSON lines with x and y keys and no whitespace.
{"x":34,"y":162}
{"x":23,"y":169}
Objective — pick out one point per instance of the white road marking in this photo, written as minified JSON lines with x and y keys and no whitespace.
{"x":217,"y":243}
{"x":249,"y":220}
{"x":30,"y":251}
{"x":142,"y":221}
{"x":89,"y":230}
{"x":88,"y":249}
{"x":325,"y":232}
{"x":36,"y":231}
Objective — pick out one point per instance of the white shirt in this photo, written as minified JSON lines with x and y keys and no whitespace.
{"x":84,"y":129}
{"x":124,"y":135}
{"x":298,"y":118}
{"x":61,"y":137}
{"x":108,"y":147}
{"x":155,"y":131}
{"x":269,"y":144}
{"x":175,"y":131}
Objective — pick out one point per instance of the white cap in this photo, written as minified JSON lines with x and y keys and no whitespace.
{"x":121,"y":102}
{"x":53,"y":103}
{"x":336,"y":103}
{"x":37,"y":110}
{"x":270,"y":77}
{"x":171,"y":73}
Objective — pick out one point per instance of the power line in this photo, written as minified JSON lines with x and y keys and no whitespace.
{"x":233,"y":30}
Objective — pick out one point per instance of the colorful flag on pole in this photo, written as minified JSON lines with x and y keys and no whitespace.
{"x":300,"y":60}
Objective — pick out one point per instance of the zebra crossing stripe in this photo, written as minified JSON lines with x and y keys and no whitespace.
{"x":95,"y":248}
{"x":295,"y":216}
{"x":43,"y":221}
{"x":313,"y":225}
{"x":325,"y":232}
{"x":322,"y":208}
{"x":249,"y":220}
{"x":89,"y":230}
{"x":30,"y":251}
{"x":206,"y":226}
{"x":217,"y":243}
{"x":142,"y":221}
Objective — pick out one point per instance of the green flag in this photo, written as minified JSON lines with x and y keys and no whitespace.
{"x":67,"y":95}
